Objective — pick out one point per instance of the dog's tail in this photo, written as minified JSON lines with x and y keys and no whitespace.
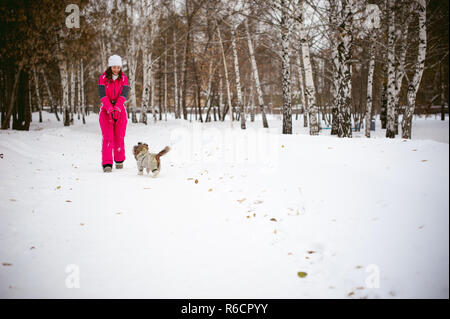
{"x":164,"y":151}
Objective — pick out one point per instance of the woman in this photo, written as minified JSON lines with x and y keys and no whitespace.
{"x":113,"y":90}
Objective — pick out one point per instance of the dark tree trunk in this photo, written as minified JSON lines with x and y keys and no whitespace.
{"x":22,"y":115}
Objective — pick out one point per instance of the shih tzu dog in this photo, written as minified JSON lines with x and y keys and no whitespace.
{"x":149,"y":161}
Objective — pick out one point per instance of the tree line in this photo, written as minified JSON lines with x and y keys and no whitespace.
{"x":336,"y":62}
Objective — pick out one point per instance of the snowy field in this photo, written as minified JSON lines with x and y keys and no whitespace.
{"x":233,"y":214}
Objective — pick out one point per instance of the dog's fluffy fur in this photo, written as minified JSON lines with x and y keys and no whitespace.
{"x":149,"y":161}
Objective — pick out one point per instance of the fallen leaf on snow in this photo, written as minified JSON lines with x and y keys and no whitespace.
{"x":6,"y":264}
{"x":302,"y":274}
{"x":273,"y":219}
{"x":241,"y":200}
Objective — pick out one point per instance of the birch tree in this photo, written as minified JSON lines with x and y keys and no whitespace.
{"x":310,"y":90}
{"x":237,"y":77}
{"x":333,"y":18}
{"x":255,"y":73}
{"x":225,"y":71}
{"x":38,"y":96}
{"x":72,"y":91}
{"x":371,"y":24}
{"x":419,"y":66}
{"x":132,"y":52}
{"x":285,"y":68}
{"x":149,"y":26}
{"x":390,"y":130}
{"x":345,"y":47}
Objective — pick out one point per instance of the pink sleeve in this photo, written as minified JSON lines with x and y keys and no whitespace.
{"x":125,"y":90}
{"x":102,"y":94}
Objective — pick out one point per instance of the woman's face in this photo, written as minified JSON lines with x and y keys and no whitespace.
{"x":115,"y":69}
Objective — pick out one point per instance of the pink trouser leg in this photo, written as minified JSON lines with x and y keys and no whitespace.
{"x":107,"y":126}
{"x":120,"y":128}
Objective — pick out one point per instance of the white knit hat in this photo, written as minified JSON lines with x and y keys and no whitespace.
{"x":115,"y":60}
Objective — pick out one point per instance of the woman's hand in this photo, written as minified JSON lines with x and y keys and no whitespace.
{"x":115,"y":114}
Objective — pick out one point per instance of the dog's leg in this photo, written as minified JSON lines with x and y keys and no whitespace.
{"x":148,"y":170}
{"x":140,"y":169}
{"x":155,"y":173}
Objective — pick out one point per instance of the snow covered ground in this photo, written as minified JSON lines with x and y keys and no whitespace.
{"x":233,"y":214}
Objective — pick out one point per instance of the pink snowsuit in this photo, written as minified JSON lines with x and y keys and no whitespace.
{"x":113,"y":117}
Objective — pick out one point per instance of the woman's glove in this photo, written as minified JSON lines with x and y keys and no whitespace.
{"x":115,"y":114}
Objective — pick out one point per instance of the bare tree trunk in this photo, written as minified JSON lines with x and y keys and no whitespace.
{"x":370,"y":85}
{"x":251,"y":103}
{"x":78,"y":92}
{"x":175,"y":76}
{"x":65,"y":91}
{"x":238,"y":77}
{"x":400,"y":64}
{"x":132,"y":51}
{"x":38,"y":97}
{"x":345,"y":67}
{"x":221,"y":105}
{"x":72,"y":92}
{"x":50,"y":95}
{"x":208,"y":93}
{"x":259,"y":93}
{"x":390,"y":130}
{"x":83,"y":101}
{"x":420,"y":63}
{"x":12,"y":99}
{"x":147,"y":64}
{"x":336,"y":67}
{"x":285,"y":71}
{"x":152,"y":96}
{"x":302,"y":91}
{"x":310,"y":90}
{"x":165,"y":82}
{"x":227,"y":82}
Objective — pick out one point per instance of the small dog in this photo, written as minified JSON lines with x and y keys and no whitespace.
{"x":147,"y":160}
